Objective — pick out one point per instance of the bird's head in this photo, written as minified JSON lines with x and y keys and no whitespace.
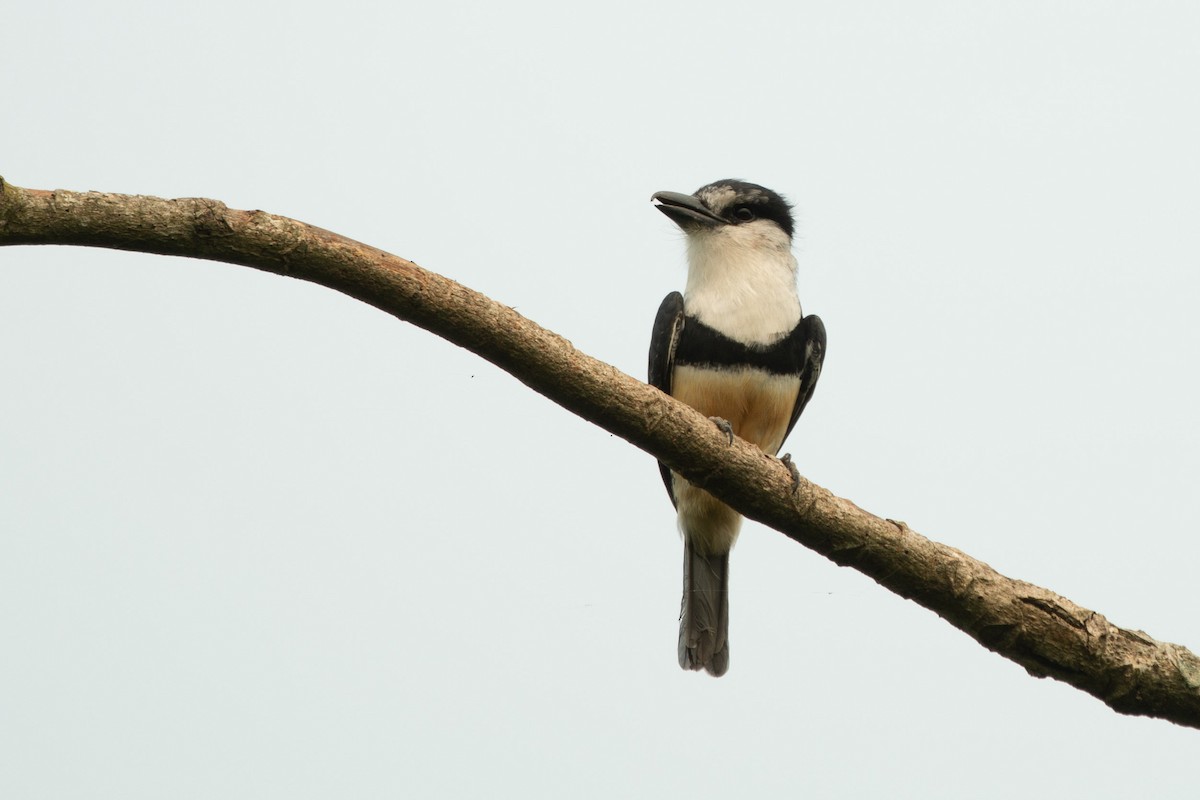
{"x":731,"y":210}
{"x":741,"y":270}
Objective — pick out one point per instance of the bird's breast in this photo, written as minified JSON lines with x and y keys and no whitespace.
{"x":747,"y":293}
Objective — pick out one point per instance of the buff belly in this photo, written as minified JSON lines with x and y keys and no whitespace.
{"x":758,"y":405}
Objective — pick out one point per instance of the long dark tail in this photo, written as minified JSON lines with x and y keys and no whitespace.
{"x":704,"y":617}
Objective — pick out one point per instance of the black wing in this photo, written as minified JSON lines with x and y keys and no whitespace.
{"x":810,"y":337}
{"x":667,"y":326}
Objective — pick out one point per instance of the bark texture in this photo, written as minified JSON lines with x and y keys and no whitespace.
{"x":1045,"y":633}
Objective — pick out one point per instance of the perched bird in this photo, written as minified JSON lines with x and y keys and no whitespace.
{"x":736,"y":347}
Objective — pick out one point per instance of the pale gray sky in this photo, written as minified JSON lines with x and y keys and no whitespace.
{"x":260,"y":540}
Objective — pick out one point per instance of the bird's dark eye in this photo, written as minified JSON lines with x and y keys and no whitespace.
{"x":744,"y":214}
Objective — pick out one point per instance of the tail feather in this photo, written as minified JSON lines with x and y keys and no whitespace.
{"x":704,"y":616}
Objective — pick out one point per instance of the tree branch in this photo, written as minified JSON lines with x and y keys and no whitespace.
{"x":1046,"y":634}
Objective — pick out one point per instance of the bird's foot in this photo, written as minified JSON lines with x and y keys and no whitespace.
{"x":787,"y":462}
{"x":724,"y":426}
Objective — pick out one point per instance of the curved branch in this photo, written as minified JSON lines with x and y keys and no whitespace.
{"x":1046,"y":634}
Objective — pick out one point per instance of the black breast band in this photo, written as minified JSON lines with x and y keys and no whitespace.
{"x":702,"y":346}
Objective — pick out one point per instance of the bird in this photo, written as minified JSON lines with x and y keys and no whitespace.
{"x":736,"y":346}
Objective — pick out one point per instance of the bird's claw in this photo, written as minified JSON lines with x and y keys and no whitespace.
{"x":786,"y":460}
{"x":724,"y":426}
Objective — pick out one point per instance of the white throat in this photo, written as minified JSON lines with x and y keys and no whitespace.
{"x":742,"y":281}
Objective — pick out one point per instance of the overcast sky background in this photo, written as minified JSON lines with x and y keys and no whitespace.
{"x":260,"y":540}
